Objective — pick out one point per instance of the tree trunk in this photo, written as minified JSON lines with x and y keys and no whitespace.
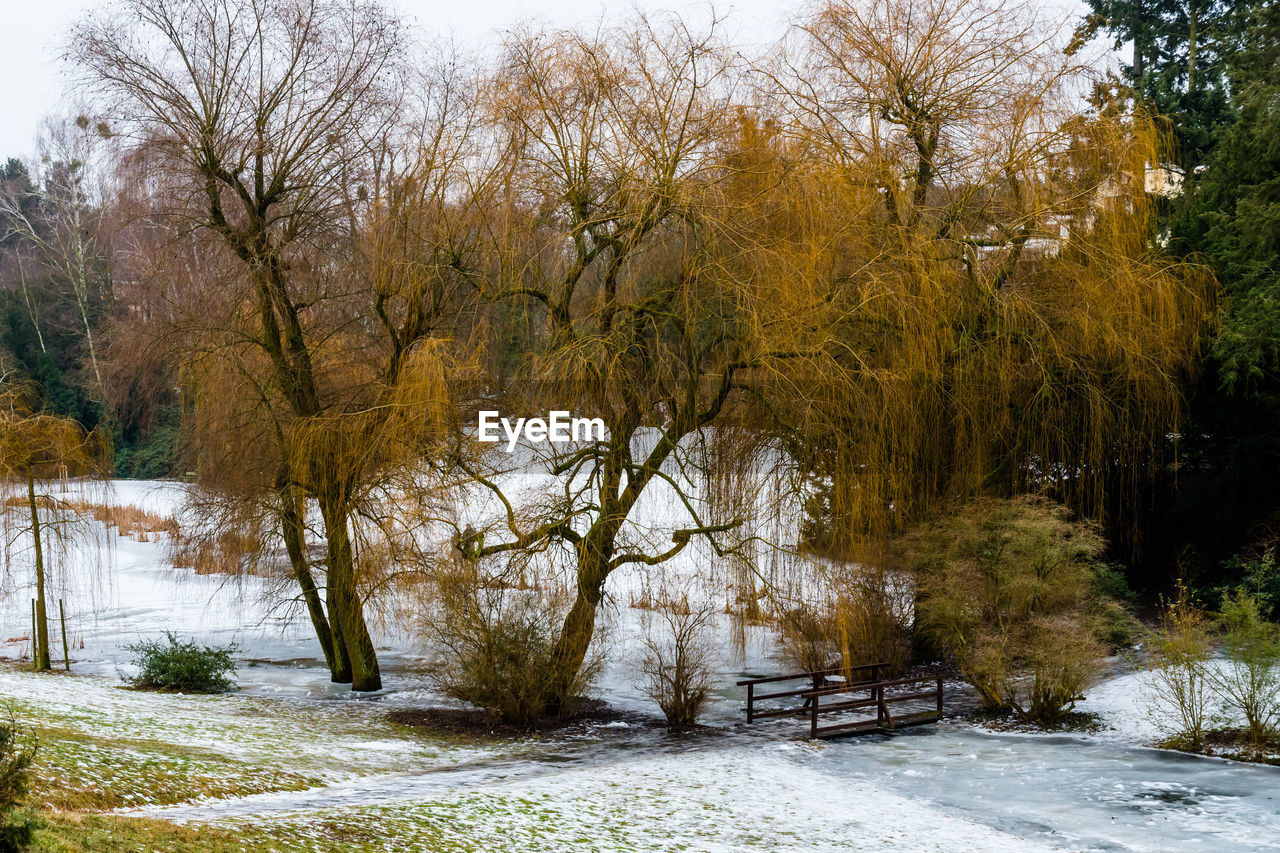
{"x":80,"y":284}
{"x":1141,"y":44}
{"x":42,"y":623}
{"x":93,"y":353}
{"x":341,"y":657}
{"x":294,"y":543}
{"x":27,"y":301}
{"x":1193,"y":21}
{"x":345,"y":607}
{"x":578,"y":630}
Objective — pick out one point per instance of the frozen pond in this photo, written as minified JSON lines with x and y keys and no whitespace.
{"x":1075,"y":792}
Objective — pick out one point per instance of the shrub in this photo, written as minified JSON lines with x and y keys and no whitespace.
{"x":679,"y":662}
{"x":1178,"y":673}
{"x":1249,"y":681}
{"x":1008,"y":589}
{"x":174,"y":664}
{"x":17,"y":751}
{"x":496,"y":647}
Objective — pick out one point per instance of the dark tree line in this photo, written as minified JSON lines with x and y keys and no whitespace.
{"x":1181,"y":51}
{"x":1212,"y":70}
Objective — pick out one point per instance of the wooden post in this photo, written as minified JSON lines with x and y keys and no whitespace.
{"x":939,"y":698}
{"x":883,"y":718}
{"x":35,"y":640}
{"x":750,"y":701}
{"x":66,"y":649}
{"x":813,"y":717}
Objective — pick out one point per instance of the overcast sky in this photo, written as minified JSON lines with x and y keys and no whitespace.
{"x":34,"y":83}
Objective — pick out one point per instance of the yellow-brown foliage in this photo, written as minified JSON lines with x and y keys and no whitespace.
{"x":999,"y":317}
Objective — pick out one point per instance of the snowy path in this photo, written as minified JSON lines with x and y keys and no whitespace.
{"x":1064,"y":792}
{"x":720,"y":798}
{"x":700,"y":801}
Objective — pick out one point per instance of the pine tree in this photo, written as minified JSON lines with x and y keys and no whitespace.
{"x":1231,"y":213}
{"x":1179,"y":66}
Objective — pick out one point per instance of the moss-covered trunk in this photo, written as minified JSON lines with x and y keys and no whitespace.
{"x":341,"y":670}
{"x":346,"y":611}
{"x":594,"y":553}
{"x":292,"y":530}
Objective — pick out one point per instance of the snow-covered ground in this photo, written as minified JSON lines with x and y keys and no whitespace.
{"x":293,"y":749}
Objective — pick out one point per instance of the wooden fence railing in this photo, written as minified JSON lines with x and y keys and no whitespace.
{"x":870,"y":692}
{"x":818,"y":680}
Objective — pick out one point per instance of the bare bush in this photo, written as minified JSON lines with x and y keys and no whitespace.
{"x":225,"y":551}
{"x":679,"y":661}
{"x":1249,"y":680}
{"x":1178,"y":673}
{"x":873,"y":616}
{"x":128,"y":519}
{"x":808,"y":638}
{"x":496,"y":646}
{"x":865,"y":620}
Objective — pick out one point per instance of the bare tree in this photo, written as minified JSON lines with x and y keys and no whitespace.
{"x":304,"y":190}
{"x":35,"y":447}
{"x":934,"y":102}
{"x":1001,"y":261}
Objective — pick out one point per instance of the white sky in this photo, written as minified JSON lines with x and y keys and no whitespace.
{"x":33,"y":82}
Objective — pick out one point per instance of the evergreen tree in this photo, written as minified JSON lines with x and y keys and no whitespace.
{"x":1227,"y":485}
{"x":1231,"y":213}
{"x":1180,"y":53}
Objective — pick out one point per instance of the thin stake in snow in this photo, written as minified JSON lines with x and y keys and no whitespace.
{"x":66,"y":649}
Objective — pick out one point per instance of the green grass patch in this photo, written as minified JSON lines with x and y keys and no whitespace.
{"x":82,"y":833}
{"x":80,"y":771}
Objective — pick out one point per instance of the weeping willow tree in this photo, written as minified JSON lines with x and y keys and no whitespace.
{"x":37,"y":447}
{"x":1017,"y":329}
{"x":306,"y":229}
{"x":617,"y":241}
